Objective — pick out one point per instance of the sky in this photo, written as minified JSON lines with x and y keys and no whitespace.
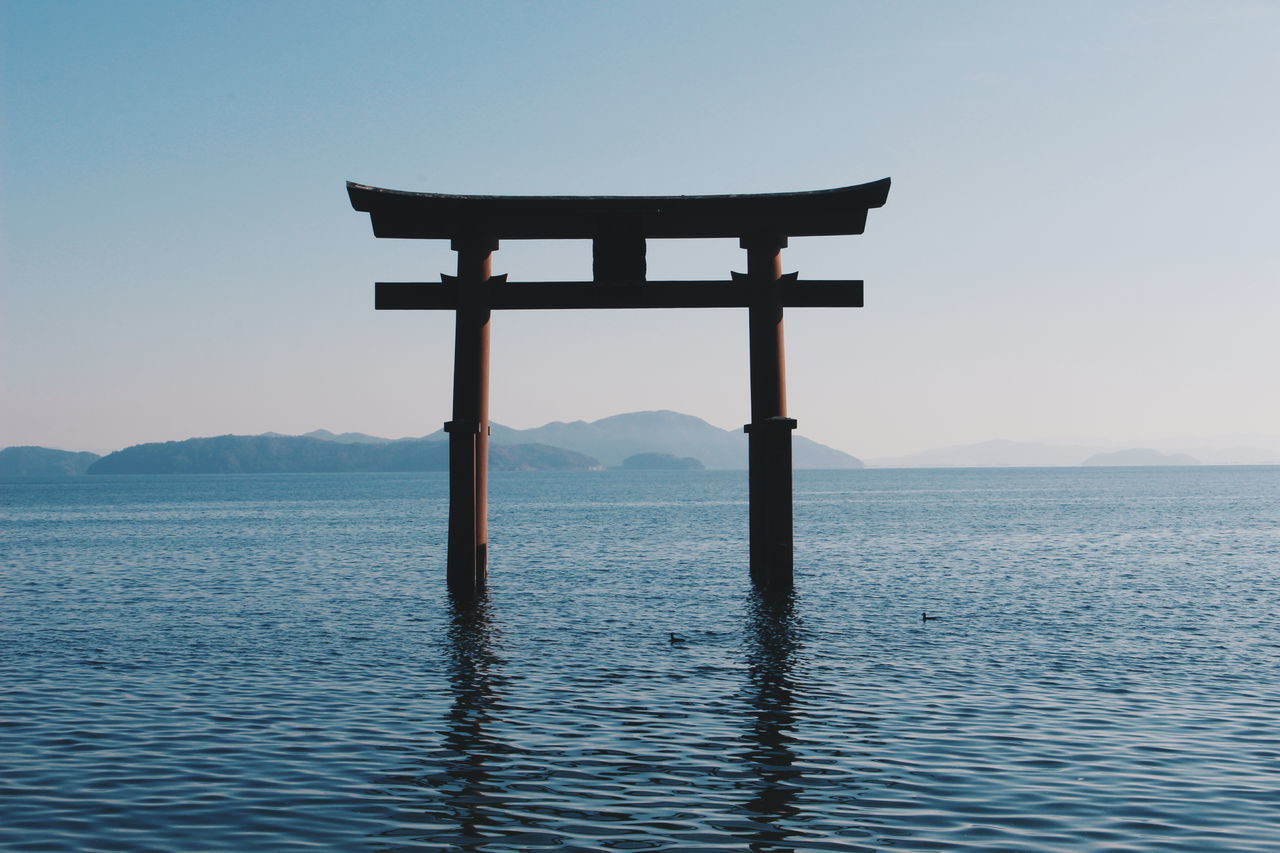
{"x":1080,"y":242}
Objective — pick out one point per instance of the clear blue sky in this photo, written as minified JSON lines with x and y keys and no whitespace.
{"x":1080,"y":240}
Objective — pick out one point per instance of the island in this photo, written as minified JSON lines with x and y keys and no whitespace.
{"x":661,"y":462}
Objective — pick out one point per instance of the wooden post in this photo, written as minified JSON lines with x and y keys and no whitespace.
{"x":468,"y":560}
{"x":769,"y":433}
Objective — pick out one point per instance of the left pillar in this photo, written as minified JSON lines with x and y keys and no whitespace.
{"x":769,"y":433}
{"x":468,"y":561}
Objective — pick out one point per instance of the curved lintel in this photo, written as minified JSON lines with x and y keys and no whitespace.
{"x":436,"y":216}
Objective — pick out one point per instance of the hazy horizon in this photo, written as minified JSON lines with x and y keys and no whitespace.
{"x":1077,"y":242}
{"x":1165,"y":443}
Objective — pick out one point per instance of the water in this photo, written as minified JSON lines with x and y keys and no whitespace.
{"x":270,"y":663}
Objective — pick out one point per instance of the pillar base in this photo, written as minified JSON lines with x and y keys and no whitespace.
{"x":468,"y":558}
{"x":769,"y":476}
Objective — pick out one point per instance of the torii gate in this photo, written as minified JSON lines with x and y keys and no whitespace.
{"x":618,"y":227}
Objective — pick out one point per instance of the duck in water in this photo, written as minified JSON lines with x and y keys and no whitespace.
{"x":925,"y":617}
{"x":675,"y":638}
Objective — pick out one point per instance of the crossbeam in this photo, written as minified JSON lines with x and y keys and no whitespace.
{"x":439,"y":216}
{"x":504,"y":295}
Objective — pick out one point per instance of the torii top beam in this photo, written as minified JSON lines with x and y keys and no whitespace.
{"x":435,"y":216}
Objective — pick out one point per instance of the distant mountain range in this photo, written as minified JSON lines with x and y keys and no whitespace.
{"x":613,"y":439}
{"x":992,"y":454}
{"x":277,"y":454}
{"x":1009,"y":454}
{"x":340,"y":438}
{"x":1140,"y":456}
{"x":661,"y":439}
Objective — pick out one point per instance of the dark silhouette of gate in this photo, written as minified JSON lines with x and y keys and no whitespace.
{"x":618,"y":227}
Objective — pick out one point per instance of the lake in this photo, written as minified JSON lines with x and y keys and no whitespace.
{"x":271,"y":662}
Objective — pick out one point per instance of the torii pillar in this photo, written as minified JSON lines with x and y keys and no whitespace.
{"x":618,"y":227}
{"x":468,"y":561}
{"x":769,"y":433}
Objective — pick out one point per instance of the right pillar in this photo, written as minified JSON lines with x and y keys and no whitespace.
{"x":468,"y":561}
{"x":769,"y":433}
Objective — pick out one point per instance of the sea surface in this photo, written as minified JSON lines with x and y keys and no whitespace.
{"x":263,"y":662}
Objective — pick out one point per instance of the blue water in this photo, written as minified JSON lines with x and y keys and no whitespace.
{"x":271,"y":662}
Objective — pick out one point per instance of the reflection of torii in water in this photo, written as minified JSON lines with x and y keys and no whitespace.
{"x":474,"y":677}
{"x":450,"y":775}
{"x":773,"y":645}
{"x":618,"y":227}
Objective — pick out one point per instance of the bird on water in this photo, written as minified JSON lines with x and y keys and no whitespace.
{"x":925,"y":617}
{"x":675,"y":638}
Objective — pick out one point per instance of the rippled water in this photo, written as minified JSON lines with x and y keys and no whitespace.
{"x":270,"y":662}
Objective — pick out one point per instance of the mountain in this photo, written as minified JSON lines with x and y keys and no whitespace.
{"x":268,"y":454}
{"x":346,"y":437}
{"x":613,"y":439}
{"x":341,"y":438}
{"x":43,"y":462}
{"x":1140,"y":456}
{"x":578,"y":445}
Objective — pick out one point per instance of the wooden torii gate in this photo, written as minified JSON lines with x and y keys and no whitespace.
{"x":618,"y":227}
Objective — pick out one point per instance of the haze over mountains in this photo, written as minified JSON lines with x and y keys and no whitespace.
{"x":1139,"y":456}
{"x":1000,"y":453}
{"x":276,"y":454}
{"x":659,"y":438}
{"x":613,"y":439}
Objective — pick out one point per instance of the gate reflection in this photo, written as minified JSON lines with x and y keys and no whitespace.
{"x":772,"y":648}
{"x":474,"y":672}
{"x":459,"y":803}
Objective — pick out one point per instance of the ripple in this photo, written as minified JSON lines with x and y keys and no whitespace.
{"x":270,"y":663}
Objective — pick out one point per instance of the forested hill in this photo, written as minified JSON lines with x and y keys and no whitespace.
{"x":263,"y":454}
{"x":613,"y":439}
{"x":43,"y":462}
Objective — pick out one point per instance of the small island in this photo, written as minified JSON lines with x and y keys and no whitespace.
{"x":661,"y":462}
